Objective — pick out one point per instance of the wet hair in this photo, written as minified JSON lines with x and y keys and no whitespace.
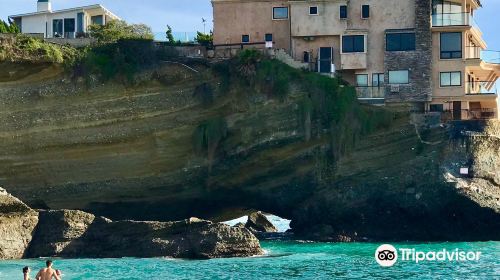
{"x":48,"y":263}
{"x":25,"y":269}
{"x":58,"y":272}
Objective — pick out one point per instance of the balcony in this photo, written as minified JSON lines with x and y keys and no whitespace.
{"x":353,"y":61}
{"x":481,"y":88}
{"x":372,"y":95}
{"x":488,"y":56}
{"x":455,"y":19}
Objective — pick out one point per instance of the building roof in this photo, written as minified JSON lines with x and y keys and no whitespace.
{"x":89,"y":7}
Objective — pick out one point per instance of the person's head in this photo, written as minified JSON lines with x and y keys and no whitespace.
{"x":58,"y":272}
{"x":48,"y":263}
{"x":26,"y":270}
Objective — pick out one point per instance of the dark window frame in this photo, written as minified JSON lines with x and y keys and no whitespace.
{"x":311,"y":9}
{"x":67,"y":23}
{"x":353,"y":41}
{"x":243,"y":38}
{"x":451,"y":84}
{"x":343,"y":12}
{"x":365,"y":11}
{"x":400,"y":41}
{"x":281,"y":18}
{"x":453,"y":54}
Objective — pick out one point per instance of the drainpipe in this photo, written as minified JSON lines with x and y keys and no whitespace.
{"x":290,"y":29}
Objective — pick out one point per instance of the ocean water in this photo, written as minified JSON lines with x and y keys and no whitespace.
{"x":284,"y":260}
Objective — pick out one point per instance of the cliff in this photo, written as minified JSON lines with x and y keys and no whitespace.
{"x":197,"y":139}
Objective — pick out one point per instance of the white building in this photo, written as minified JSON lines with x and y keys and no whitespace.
{"x":67,"y":23}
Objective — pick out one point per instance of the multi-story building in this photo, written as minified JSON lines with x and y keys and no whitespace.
{"x":426,"y":53}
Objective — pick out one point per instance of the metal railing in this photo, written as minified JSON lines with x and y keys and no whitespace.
{"x":469,"y":114}
{"x":453,"y":19}
{"x":371,"y":92}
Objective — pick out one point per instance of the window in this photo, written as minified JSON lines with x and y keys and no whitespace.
{"x":378,"y":79}
{"x":69,"y":25}
{"x":245,"y":38}
{"x":343,"y":11}
{"x":280,"y":13}
{"x":269,"y":37}
{"x":362,"y":80}
{"x":436,"y":108}
{"x":313,"y":10}
{"x":353,"y":43}
{"x":57,"y":28}
{"x":307,"y":57}
{"x":451,"y":45}
{"x":365,"y":11}
{"x":398,"y":77}
{"x":400,"y":41}
{"x":451,"y":79}
{"x":99,"y":20}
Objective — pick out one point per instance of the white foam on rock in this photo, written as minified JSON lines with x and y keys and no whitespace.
{"x":281,"y":224}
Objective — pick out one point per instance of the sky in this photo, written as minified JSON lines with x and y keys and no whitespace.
{"x":186,"y":15}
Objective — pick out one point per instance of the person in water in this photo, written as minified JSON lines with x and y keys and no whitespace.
{"x":59,"y":273}
{"x":47,"y":273}
{"x":26,"y":272}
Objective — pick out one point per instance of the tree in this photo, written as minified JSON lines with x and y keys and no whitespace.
{"x":170,"y":35}
{"x":119,"y":29}
{"x":10,"y":27}
{"x":206,"y":40}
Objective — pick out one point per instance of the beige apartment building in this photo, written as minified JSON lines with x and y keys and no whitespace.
{"x":426,"y":53}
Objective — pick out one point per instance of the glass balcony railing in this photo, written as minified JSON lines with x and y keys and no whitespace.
{"x":481,"y":88}
{"x":489,"y":56}
{"x":455,"y":19}
{"x":370,"y":92}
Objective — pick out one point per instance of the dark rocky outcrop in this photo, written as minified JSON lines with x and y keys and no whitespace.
{"x":68,"y":233}
{"x":258,"y":222}
{"x":17,"y":223}
{"x":76,"y":234}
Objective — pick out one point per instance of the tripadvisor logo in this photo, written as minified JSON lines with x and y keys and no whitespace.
{"x":386,"y":255}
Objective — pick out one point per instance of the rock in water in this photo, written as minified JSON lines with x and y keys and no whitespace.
{"x":25,"y":233}
{"x":68,"y":233}
{"x":258,"y":222}
{"x":17,"y":223}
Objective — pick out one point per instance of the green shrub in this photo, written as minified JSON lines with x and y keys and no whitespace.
{"x":207,"y":137}
{"x":116,"y":30}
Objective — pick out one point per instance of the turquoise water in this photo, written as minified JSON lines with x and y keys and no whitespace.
{"x":285,"y":260}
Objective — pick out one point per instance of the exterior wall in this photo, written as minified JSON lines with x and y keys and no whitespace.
{"x":233,"y":18}
{"x":300,"y":45}
{"x":446,"y":65}
{"x":34,"y":24}
{"x":326,"y":23}
{"x":383,"y":15}
{"x":418,"y":62}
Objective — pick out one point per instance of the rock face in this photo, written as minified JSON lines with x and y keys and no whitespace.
{"x":68,"y":233}
{"x":76,"y":234}
{"x":258,"y":222}
{"x":17,"y":223}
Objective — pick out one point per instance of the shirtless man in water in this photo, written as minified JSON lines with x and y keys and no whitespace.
{"x":47,"y":273}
